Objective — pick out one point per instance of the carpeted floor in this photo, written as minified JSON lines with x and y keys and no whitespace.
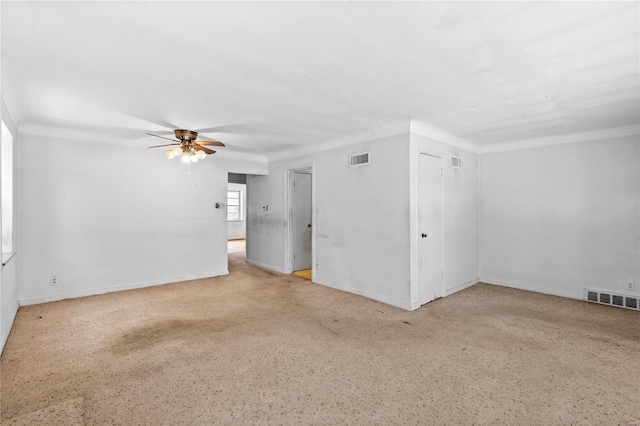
{"x":258,"y":347}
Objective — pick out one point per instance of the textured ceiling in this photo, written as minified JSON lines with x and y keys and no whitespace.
{"x":267,"y":77}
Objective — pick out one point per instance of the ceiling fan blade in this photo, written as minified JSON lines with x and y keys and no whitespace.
{"x":233,"y":128}
{"x":202,"y":148}
{"x":163,"y":133}
{"x":169,"y":139}
{"x":169,"y":144}
{"x":209,"y":143}
{"x":209,"y":129}
{"x":207,"y":139}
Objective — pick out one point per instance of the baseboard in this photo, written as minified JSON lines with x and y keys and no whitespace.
{"x":451,"y":291}
{"x":6,"y":328}
{"x":264,"y":266}
{"x":521,"y":286}
{"x":112,"y":289}
{"x":461,"y":287}
{"x":368,"y":295}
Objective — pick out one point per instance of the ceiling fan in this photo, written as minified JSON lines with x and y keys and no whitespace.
{"x":185,"y":144}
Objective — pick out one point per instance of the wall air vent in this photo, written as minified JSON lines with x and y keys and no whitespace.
{"x":456,"y":162}
{"x":361,"y":159}
{"x":628,"y":301}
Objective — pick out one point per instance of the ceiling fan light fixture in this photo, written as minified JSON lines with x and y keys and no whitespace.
{"x":186,"y":145}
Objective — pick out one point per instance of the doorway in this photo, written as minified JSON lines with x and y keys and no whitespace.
{"x":300,"y":224}
{"x":430,"y":228}
{"x":236,"y":212}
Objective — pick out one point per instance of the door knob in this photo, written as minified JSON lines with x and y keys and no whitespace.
{"x":309,"y":226}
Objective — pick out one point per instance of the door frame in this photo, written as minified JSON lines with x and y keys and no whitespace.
{"x":288,"y":208}
{"x":415,"y":152}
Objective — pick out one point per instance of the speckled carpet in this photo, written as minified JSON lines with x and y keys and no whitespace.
{"x":257,"y":347}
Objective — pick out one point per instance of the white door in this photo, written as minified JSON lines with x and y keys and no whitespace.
{"x":430,"y":258}
{"x":302,"y":214}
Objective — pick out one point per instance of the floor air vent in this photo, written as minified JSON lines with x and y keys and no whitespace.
{"x":361,"y":159}
{"x":607,"y":298}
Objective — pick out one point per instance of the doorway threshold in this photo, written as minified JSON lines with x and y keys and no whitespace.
{"x":303,"y":273}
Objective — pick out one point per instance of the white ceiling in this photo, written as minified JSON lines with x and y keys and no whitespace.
{"x":274,"y":76}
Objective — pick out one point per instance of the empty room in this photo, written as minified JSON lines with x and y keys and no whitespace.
{"x":320,"y":213}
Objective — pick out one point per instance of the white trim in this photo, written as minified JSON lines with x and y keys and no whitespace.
{"x":450,"y":291}
{"x":10,"y":317}
{"x":265,"y":266}
{"x":442,"y":220}
{"x":6,"y":257}
{"x":288,"y":209}
{"x":6,"y":328}
{"x":461,"y":287}
{"x":8,"y":119}
{"x":431,"y":131}
{"x":229,"y":154}
{"x":69,"y":133}
{"x":520,"y":286}
{"x":346,"y":289}
{"x":241,"y":204}
{"x":415,"y":150}
{"x":610,"y":133}
{"x":379,"y":131}
{"x":132,"y":286}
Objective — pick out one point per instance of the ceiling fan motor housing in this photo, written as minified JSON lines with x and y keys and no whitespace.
{"x":183,"y":134}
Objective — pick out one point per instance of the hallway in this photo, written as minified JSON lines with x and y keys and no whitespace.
{"x":237,"y":246}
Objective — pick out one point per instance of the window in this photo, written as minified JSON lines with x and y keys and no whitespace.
{"x":234,"y":206}
{"x":6,"y":152}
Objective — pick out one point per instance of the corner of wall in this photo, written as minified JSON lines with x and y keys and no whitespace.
{"x":7,"y":324}
{"x":9,"y":275}
{"x":461,"y":208}
{"x":480,"y":216}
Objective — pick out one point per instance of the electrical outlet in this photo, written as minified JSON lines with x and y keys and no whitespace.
{"x":53,"y":280}
{"x":631,"y":286}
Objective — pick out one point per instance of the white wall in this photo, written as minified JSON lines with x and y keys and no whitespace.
{"x":103,"y":217}
{"x":560,"y":218}
{"x":238,"y":229}
{"x":9,"y":276}
{"x":461,"y":224}
{"x":8,"y":177}
{"x":361,"y":237}
{"x":9,"y":298}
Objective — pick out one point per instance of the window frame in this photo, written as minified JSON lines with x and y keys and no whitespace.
{"x":7,"y":178}
{"x":240,"y":215}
